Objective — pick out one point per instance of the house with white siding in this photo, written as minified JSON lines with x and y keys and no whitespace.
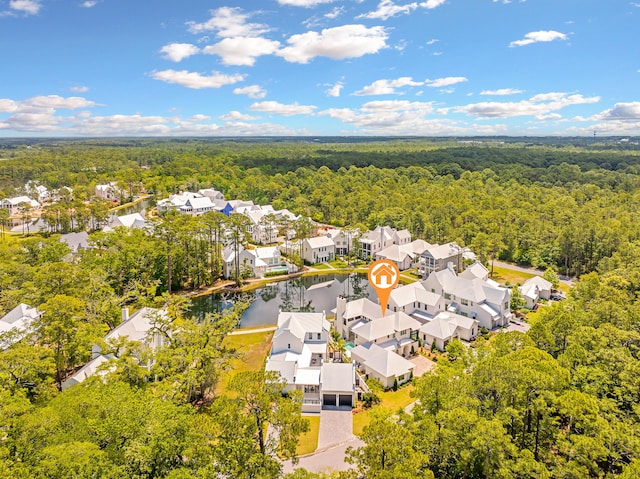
{"x":319,"y":249}
{"x":380,"y":238}
{"x":299,"y":354}
{"x":475,"y":298}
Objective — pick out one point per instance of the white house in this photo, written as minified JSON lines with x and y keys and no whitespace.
{"x":298,"y":355}
{"x":381,"y":364}
{"x":176,"y":201}
{"x":35,"y":190}
{"x":108,"y":191}
{"x":380,"y":238}
{"x":342,"y":240}
{"x":16,"y":324}
{"x":415,"y":300}
{"x":197,"y":206}
{"x":445,"y":327}
{"x":137,"y":327}
{"x":318,"y":250}
{"x":475,"y":298}
{"x":259,"y":260}
{"x":134,"y":220}
{"x":534,"y":289}
{"x":262,"y":230}
{"x":14,"y":205}
{"x":476,"y":270}
{"x":211,"y":193}
{"x":405,"y":256}
{"x":438,"y":257}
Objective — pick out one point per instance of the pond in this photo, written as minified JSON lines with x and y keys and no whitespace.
{"x":310,"y":294}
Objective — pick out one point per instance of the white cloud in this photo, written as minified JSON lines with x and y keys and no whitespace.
{"x":229,"y":22}
{"x":196,"y":80}
{"x":387,"y":9}
{"x":442,"y":82}
{"x":237,"y":116}
{"x":540,"y":36}
{"x":303,"y":3}
{"x":242,"y":50}
{"x":7,"y":105}
{"x":622,"y":112}
{"x":178,"y":51}
{"x":387,"y":87}
{"x":396,"y":117}
{"x":90,"y":3}
{"x":347,"y":41}
{"x":542,"y":104}
{"x":252,"y":91}
{"x":57,"y":102}
{"x":433,"y":41}
{"x":79,"y":89}
{"x":335,"y":90}
{"x":28,"y":7}
{"x":549,"y":116}
{"x":430,"y":4}
{"x":502,"y":92}
{"x":335,"y":13}
{"x":281,"y":109}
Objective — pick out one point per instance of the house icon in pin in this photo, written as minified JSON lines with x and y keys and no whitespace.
{"x":383,"y":276}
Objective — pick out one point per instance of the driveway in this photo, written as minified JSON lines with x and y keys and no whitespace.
{"x":335,"y":436}
{"x":517,"y":325}
{"x":423,"y":365}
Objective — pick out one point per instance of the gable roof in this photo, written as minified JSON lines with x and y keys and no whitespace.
{"x":137,"y":326}
{"x":476,"y":270}
{"x":361,"y":307}
{"x":384,"y":362}
{"x":319,"y":242}
{"x":134,"y":220}
{"x":338,"y":377}
{"x":198,"y":203}
{"x":443,"y":251}
{"x":19,"y":318}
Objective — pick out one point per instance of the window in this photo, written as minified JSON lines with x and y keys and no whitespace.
{"x":310,"y":335}
{"x":289,"y":346}
{"x":319,"y":335}
{"x":447,"y":296}
{"x":464,"y":302}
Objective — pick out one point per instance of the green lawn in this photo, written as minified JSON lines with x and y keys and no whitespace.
{"x":309,"y":440}
{"x":321,"y":266}
{"x":392,"y":400}
{"x":511,"y":276}
{"x":253,"y":349}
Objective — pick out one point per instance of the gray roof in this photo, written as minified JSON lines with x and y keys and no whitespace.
{"x":384,"y":362}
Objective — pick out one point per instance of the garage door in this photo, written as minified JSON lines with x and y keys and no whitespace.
{"x":329,"y":399}
{"x":345,"y":400}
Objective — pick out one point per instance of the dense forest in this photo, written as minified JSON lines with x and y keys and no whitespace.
{"x":562,"y":401}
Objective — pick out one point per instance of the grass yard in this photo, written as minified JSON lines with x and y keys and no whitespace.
{"x":392,"y":400}
{"x":253,"y":349}
{"x":309,"y":440}
{"x":321,"y":266}
{"x":511,"y":276}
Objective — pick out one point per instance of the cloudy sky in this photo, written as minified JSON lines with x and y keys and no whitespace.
{"x":319,"y":67}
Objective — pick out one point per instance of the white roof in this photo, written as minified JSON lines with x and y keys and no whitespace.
{"x":307,"y":376}
{"x":340,"y":377}
{"x":476,"y":270}
{"x":286,"y":369}
{"x":413,"y":292}
{"x":309,"y":322}
{"x":395,"y":252}
{"x":134,"y":220}
{"x":21,"y":199}
{"x":19,"y":318}
{"x":137,"y":326}
{"x":362,"y":307}
{"x":319,"y":242}
{"x":538,"y":281}
{"x":382,"y":361}
{"x":198,"y":203}
{"x":444,"y":251}
{"x":85,"y":371}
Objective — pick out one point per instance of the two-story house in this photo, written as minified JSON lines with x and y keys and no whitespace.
{"x":380,"y":238}
{"x":438,"y":257}
{"x":298,"y":354}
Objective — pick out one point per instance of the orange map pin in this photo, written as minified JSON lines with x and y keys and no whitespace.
{"x":383,"y":276}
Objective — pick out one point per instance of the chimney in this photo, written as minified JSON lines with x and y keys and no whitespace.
{"x":125,"y":314}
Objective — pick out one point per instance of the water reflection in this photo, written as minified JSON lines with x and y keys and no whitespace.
{"x":309,"y":294}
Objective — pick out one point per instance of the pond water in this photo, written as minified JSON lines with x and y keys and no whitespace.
{"x":310,"y":294}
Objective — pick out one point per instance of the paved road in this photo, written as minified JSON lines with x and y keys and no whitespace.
{"x":266,"y":329}
{"x":334,"y":437}
{"x":563,"y":279}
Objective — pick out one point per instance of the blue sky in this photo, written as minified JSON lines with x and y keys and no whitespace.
{"x":319,"y":67}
